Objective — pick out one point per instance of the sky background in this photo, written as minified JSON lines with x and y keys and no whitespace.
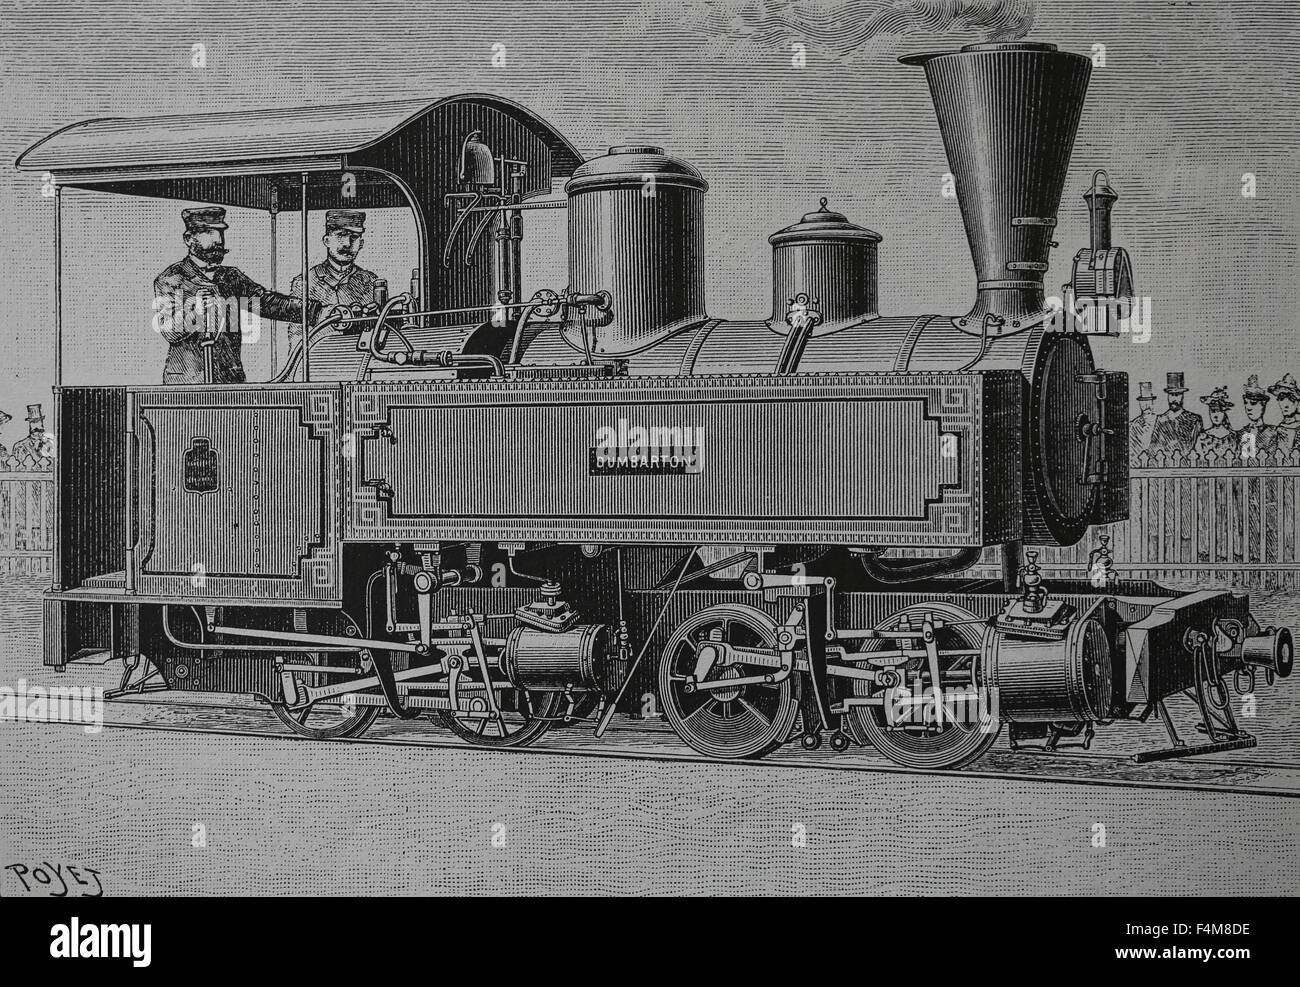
{"x":1192,"y":97}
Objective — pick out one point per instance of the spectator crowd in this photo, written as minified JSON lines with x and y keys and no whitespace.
{"x":1179,"y":429}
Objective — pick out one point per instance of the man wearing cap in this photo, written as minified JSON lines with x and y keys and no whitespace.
{"x":1141,"y":428}
{"x":337,"y":280}
{"x":1177,"y":428}
{"x":1287,"y":392}
{"x":34,"y":452}
{"x":193,"y":300}
{"x":1255,"y":438}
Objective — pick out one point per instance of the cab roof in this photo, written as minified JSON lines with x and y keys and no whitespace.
{"x":234,"y":158}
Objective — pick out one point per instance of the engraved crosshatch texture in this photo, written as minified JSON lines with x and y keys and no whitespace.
{"x":271,"y":528}
{"x":662,"y":386}
{"x":855,"y":458}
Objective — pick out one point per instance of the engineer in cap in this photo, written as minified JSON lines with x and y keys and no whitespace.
{"x":1255,"y":437}
{"x":1287,"y":392}
{"x":1176,"y":428}
{"x":1141,"y":428}
{"x":337,"y":280}
{"x":199,"y":299}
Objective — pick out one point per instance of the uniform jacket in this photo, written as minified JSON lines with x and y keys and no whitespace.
{"x":175,"y":294}
{"x":325,"y":285}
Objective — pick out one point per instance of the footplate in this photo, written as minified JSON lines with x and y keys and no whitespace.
{"x":1168,"y":753}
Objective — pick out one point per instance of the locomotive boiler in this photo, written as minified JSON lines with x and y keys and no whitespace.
{"x":517,"y":513}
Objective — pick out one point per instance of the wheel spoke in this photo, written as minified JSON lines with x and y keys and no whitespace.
{"x":945,"y":738}
{"x":513,"y":728}
{"x":726,"y":721}
{"x":696,"y":712}
{"x":753,"y":712}
{"x":306,"y":712}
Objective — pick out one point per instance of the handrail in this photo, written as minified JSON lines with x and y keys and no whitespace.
{"x":295,"y":355}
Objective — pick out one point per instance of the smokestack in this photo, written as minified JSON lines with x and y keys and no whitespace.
{"x":1008,"y":114}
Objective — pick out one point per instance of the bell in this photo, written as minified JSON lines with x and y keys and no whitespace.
{"x":476,"y":164}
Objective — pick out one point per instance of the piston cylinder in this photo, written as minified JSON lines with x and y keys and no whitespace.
{"x":550,"y":660}
{"x":635,"y":231}
{"x":1037,"y":680}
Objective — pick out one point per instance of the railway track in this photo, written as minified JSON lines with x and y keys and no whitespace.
{"x":1244,"y":776}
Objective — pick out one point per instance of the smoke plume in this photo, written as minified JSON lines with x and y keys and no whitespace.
{"x":841,"y":27}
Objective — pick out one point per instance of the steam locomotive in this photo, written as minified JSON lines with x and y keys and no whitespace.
{"x":517,"y":514}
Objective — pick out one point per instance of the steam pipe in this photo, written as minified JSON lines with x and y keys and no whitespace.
{"x":515,"y":205}
{"x":601,"y":299}
{"x":899,"y":571}
{"x":519,"y":330}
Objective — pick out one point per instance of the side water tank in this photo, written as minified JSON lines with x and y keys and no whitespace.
{"x":830,"y":261}
{"x":635,"y":231}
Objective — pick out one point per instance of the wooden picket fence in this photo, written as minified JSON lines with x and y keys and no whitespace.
{"x":26,"y":520}
{"x":1208,"y":520}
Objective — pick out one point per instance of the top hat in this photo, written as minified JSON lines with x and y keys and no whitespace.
{"x":1286,"y":386}
{"x":1253,"y":392}
{"x":34,"y":414}
{"x":345,"y":219}
{"x":1174,"y":383}
{"x":204,"y":218}
{"x":1217,"y":399}
{"x":1144,"y":391}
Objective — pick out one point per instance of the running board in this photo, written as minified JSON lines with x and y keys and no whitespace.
{"x":1169,"y":753}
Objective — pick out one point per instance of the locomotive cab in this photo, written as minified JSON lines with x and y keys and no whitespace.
{"x":232,"y":492}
